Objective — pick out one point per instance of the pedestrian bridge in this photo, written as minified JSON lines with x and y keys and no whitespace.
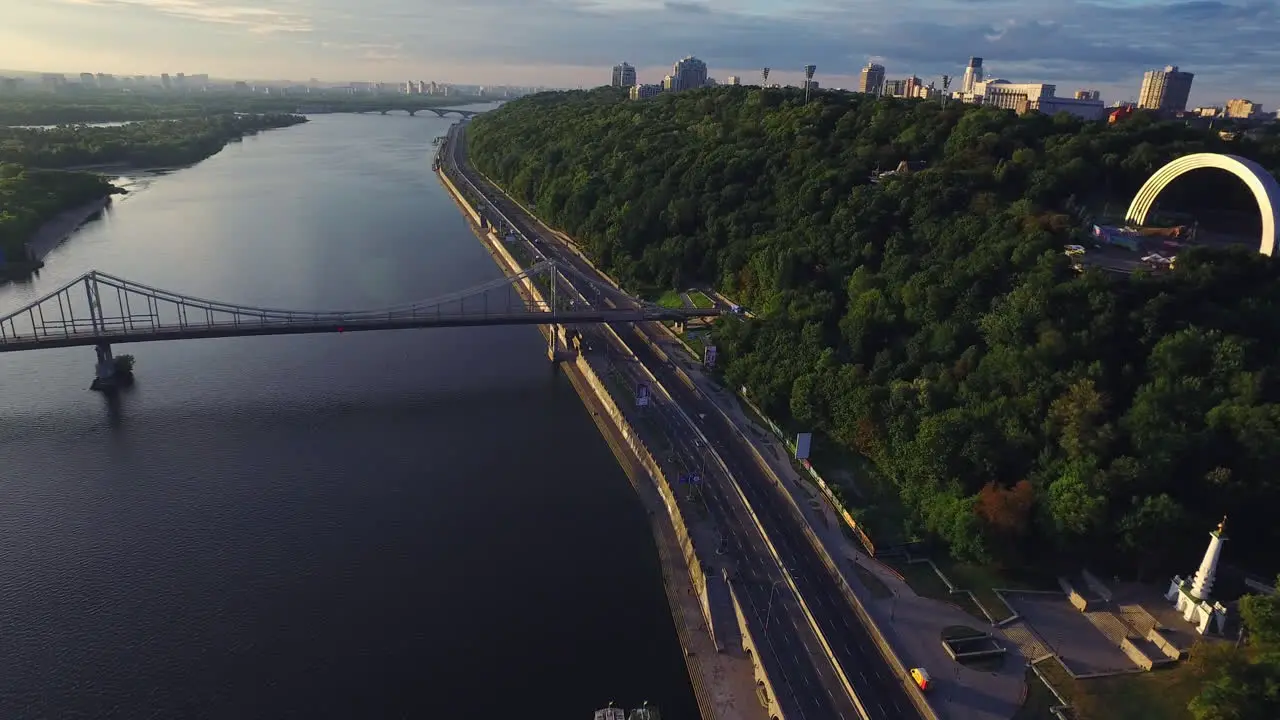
{"x":102,"y":310}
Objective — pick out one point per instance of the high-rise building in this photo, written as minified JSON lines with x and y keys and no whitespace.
{"x":688,"y":74}
{"x":912,"y":87}
{"x":624,"y":75}
{"x":972,"y":75}
{"x":88,"y":80}
{"x":1165,"y":89}
{"x":872,"y":79}
{"x":1241,"y":108}
{"x":1088,"y":95}
{"x":164,"y":80}
{"x":733,"y":80}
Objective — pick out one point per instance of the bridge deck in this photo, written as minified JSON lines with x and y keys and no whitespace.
{"x":148,"y":333}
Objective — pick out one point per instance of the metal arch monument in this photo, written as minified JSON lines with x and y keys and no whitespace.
{"x":1261,"y":183}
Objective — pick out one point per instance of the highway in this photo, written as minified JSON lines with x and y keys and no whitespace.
{"x":792,"y":658}
{"x":880,"y":693}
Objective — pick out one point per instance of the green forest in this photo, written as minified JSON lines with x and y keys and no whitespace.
{"x":1018,"y":412}
{"x":149,"y":143}
{"x":28,"y":198}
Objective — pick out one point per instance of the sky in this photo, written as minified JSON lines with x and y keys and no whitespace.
{"x":1101,"y":44}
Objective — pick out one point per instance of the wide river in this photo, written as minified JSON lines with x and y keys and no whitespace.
{"x":401,"y":524}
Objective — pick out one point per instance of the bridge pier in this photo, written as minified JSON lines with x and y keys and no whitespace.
{"x":105,"y":370}
{"x":562,"y":344}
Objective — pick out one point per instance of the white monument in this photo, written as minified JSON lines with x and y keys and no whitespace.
{"x":1192,"y":598}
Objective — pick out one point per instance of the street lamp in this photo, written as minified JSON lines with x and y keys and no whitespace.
{"x":768,"y":613}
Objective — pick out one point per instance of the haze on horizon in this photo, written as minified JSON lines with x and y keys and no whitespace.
{"x":1105,"y":44}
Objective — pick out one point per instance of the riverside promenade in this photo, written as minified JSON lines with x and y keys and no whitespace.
{"x":723,"y":683}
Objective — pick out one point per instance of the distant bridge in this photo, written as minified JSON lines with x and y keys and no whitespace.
{"x":385,"y":108}
{"x":102,"y":310}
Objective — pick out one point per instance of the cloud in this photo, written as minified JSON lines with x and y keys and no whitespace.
{"x":1104,"y":44}
{"x":260,"y":20}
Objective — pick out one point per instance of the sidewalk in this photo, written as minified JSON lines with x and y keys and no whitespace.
{"x":912,"y":624}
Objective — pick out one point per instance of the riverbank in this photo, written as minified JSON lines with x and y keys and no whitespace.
{"x":57,"y":229}
{"x":722,"y":682}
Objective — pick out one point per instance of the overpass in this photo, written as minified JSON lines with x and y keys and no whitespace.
{"x":103,"y":310}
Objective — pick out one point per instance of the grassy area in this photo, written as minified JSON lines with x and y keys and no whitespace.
{"x":695,"y":344}
{"x":980,"y":580}
{"x":926,"y":583}
{"x":1038,"y":702}
{"x":670,"y":299}
{"x":1161,"y":694}
{"x":700,"y":300}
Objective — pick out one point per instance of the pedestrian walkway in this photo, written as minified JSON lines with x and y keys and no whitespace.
{"x":911,"y":623}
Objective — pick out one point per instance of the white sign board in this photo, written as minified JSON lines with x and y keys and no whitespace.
{"x":642,"y":395}
{"x":804,"y":441}
{"x":709,"y":356}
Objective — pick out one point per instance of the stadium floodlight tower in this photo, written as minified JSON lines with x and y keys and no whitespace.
{"x":764,"y":78}
{"x":809,"y":70}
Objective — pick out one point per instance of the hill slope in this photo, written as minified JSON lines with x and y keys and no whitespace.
{"x":931,"y":322}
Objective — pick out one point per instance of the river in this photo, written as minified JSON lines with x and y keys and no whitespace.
{"x":373,"y":525}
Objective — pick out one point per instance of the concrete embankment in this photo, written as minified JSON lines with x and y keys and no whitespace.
{"x":687,"y":586}
{"x":53,"y":232}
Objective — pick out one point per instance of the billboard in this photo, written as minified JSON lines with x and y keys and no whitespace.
{"x":642,"y":395}
{"x":803,"y":443}
{"x":709,"y":356}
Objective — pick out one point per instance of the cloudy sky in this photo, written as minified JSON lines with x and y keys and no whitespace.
{"x":1105,"y":44}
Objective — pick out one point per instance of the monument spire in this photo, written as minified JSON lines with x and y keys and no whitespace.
{"x":1202,"y":583}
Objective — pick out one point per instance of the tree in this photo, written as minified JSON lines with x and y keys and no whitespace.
{"x":930,"y":321}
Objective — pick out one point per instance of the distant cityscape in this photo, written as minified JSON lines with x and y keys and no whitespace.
{"x":1163,"y":90}
{"x":202,"y":83}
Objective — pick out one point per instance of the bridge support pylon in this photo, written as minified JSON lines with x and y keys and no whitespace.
{"x":105,"y":370}
{"x":561,"y":345}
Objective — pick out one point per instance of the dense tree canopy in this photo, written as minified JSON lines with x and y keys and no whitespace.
{"x":931,"y":322}
{"x":28,"y":198}
{"x":151,"y":143}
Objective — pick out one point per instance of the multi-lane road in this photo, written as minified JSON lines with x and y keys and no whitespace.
{"x":807,"y":685}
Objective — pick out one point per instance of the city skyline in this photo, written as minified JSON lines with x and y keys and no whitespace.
{"x":568,"y":43}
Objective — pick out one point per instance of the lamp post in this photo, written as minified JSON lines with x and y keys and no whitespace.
{"x":768,"y":612}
